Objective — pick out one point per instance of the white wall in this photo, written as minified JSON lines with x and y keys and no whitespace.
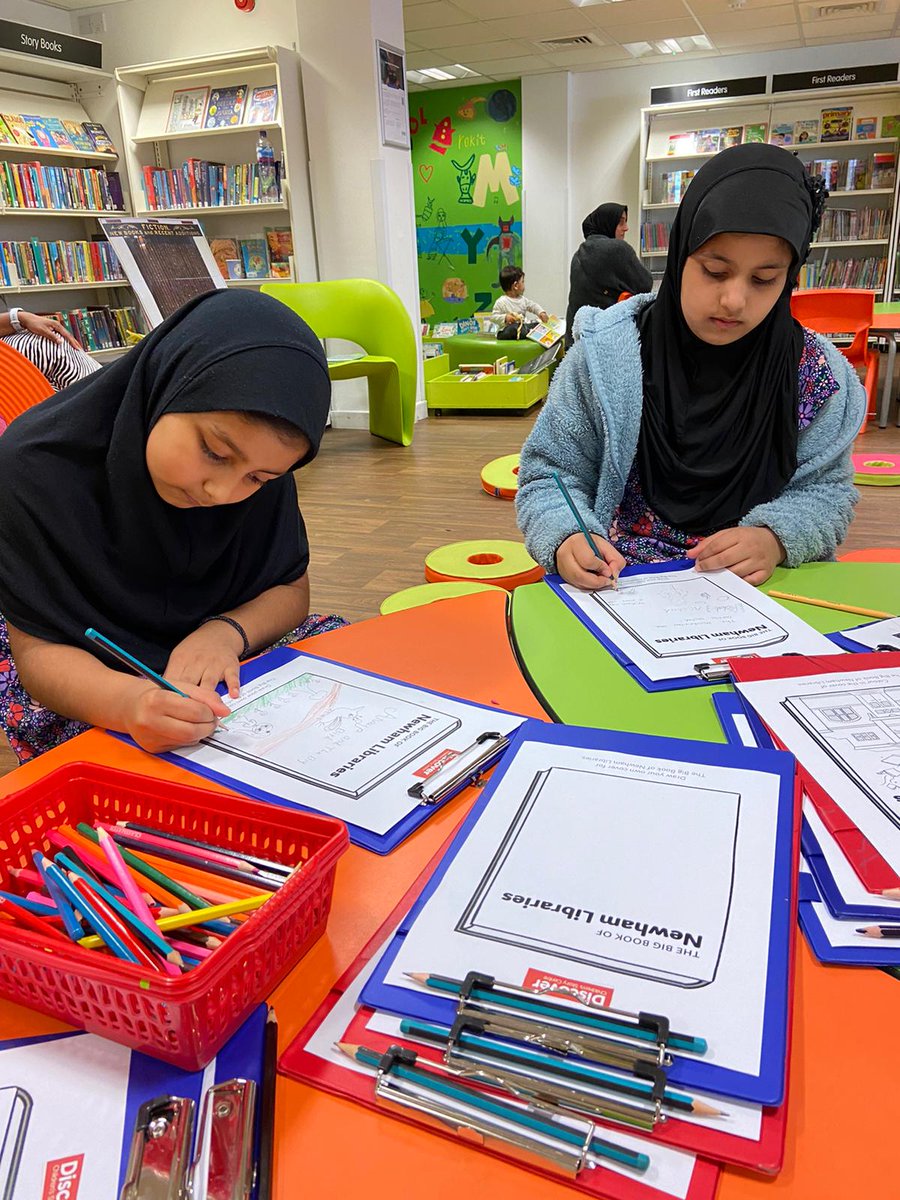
{"x":545,"y":194}
{"x":603,"y":123}
{"x":29,"y":12}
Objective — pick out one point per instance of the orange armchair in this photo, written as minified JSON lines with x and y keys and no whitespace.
{"x":21,"y":384}
{"x":848,"y":312}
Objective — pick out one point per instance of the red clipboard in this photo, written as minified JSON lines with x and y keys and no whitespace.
{"x":765,"y":1155}
{"x":874,"y":872}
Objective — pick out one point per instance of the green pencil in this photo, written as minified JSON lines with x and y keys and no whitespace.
{"x":171,"y":885}
{"x":594,"y":548}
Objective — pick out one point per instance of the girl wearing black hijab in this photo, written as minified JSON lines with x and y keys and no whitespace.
{"x":604,"y":265}
{"x":154,"y":501}
{"x":705,"y":423}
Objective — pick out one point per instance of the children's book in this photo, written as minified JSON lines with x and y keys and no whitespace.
{"x":445,"y":329}
{"x":223,"y":249}
{"x":103,"y":143}
{"x":262,"y":105}
{"x":732,"y":136}
{"x":683,"y":143}
{"x":890,"y":126}
{"x":59,"y":133}
{"x":782,"y":133}
{"x":806,"y":130}
{"x":19,"y":129}
{"x":756,"y":133}
{"x":548,"y":332}
{"x":884,"y":170}
{"x":77,"y":136}
{"x":41,"y":135}
{"x":187,"y":109}
{"x":234,"y":269}
{"x":836,"y":123}
{"x":225,"y":107}
{"x":6,"y":136}
{"x":708,"y":141}
{"x":865,"y":128}
{"x":255,"y":258}
{"x":280,"y":242}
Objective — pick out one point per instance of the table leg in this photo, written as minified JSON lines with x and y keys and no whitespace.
{"x":884,"y":408}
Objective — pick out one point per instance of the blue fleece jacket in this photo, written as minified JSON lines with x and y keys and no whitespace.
{"x":588,"y":432}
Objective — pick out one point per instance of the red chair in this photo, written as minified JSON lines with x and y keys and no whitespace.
{"x":846,"y":313}
{"x":21,"y":384}
{"x":874,"y":554}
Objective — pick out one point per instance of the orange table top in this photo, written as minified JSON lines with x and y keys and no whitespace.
{"x":844,"y":1059}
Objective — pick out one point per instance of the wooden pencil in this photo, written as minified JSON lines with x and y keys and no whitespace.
{"x":848,"y":608}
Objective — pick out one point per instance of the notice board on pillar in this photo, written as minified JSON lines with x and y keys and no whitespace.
{"x":467,"y":174}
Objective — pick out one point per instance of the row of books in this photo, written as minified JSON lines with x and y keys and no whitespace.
{"x":102,"y":327}
{"x":855,"y":174}
{"x":39,"y":185}
{"x":836,"y":125}
{"x":853,"y":224}
{"x":268,"y":257}
{"x":54,"y":133}
{"x":34,"y":263}
{"x":673,"y":185}
{"x":222,"y":107}
{"x":655,"y":235}
{"x":202,"y":184}
{"x":711,"y":141}
{"x":844,"y":273}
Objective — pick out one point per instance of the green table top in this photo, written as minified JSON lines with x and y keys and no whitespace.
{"x":581,"y":683}
{"x":889,"y":307}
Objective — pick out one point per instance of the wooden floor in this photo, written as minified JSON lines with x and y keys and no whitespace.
{"x":374,"y":510}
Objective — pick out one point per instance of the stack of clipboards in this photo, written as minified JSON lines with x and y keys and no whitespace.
{"x":592,"y":1015}
{"x":840,"y":716}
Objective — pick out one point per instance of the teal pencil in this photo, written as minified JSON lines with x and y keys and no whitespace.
{"x":594,"y":548}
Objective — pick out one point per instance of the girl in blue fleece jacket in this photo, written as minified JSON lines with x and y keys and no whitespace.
{"x":705,"y":423}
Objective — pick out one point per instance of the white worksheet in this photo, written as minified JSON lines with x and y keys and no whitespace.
{"x":846,"y":879}
{"x":53,"y":1144}
{"x":667,"y":621}
{"x":650,"y":879}
{"x":879,"y":633}
{"x":341,"y":742}
{"x":844,"y":727}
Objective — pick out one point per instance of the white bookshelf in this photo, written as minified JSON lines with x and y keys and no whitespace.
{"x":144,"y":94}
{"x":45,"y":88}
{"x":659,"y":122}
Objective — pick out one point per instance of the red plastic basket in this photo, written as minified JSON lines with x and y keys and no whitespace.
{"x":182,"y":1020}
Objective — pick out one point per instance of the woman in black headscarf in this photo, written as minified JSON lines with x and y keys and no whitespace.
{"x":604,"y":265}
{"x":705,"y":423}
{"x":154,"y":501}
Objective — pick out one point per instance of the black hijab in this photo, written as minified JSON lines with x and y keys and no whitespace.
{"x":603,"y":220}
{"x":719,"y":423}
{"x":85,"y":540}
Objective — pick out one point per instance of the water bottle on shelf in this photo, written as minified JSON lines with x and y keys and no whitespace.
{"x":268,"y":176}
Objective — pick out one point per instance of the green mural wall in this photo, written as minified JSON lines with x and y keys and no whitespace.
{"x":467,"y":173}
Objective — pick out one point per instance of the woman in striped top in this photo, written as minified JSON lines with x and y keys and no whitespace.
{"x":48,"y":344}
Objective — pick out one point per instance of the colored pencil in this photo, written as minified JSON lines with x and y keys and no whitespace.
{"x":111,"y":928}
{"x":169,"y":854}
{"x":66,"y":838}
{"x":59,"y":896}
{"x":133,"y":860}
{"x":194,"y":949}
{"x":261,"y":864}
{"x":30,"y":922}
{"x":129,"y":660}
{"x":848,"y":608}
{"x":203,"y":917}
{"x":40,"y":908}
{"x":594,"y":548}
{"x":154,"y":841}
{"x":132,"y":894}
{"x":264,"y":1157}
{"x":880,"y":931}
{"x":26,"y":877}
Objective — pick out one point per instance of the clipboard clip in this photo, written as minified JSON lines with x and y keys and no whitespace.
{"x":159,"y":1158}
{"x":466,"y":768}
{"x":713,"y":672}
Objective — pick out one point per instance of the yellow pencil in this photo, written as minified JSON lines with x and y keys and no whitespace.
{"x":197,"y":916}
{"x":850,"y":608}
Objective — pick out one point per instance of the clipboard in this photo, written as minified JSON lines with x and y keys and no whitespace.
{"x":827,"y":887}
{"x":473,"y":761}
{"x":768,"y":1087}
{"x":139,"y":1081}
{"x":844,"y":638}
{"x":869,"y":953}
{"x":874,"y":872}
{"x":740,"y":724}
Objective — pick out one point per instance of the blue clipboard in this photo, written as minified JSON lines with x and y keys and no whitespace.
{"x":649,"y":685}
{"x":844,"y":639}
{"x":869,"y":954}
{"x":379,"y":843}
{"x":828,"y":889}
{"x":241,"y":1057}
{"x":728,"y":705}
{"x":767,"y":1087}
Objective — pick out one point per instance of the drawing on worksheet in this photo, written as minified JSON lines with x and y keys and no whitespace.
{"x":671,"y":614}
{"x":585,"y":898}
{"x":333,"y":734}
{"x":860,"y":732}
{"x":15,"y":1112}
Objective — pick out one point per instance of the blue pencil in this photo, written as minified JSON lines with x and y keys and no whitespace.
{"x":58,"y":896}
{"x":594,"y":548}
{"x":135,"y":663}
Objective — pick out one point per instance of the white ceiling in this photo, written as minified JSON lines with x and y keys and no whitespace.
{"x":500,"y":39}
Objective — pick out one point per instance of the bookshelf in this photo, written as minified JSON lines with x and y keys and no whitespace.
{"x":44,"y":88}
{"x":858,"y":243}
{"x":145,"y":99}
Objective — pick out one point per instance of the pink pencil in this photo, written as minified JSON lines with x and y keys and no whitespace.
{"x":150,"y":839}
{"x":190,"y":948}
{"x":136,"y":901}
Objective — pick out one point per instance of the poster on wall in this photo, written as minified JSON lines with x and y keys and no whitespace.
{"x":467,"y":179}
{"x":392,"y":96}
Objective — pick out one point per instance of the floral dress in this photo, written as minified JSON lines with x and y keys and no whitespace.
{"x":31,"y":729}
{"x":641,"y":536}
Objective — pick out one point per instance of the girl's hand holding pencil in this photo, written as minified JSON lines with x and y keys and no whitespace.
{"x":161,"y":720}
{"x":577,"y":563}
